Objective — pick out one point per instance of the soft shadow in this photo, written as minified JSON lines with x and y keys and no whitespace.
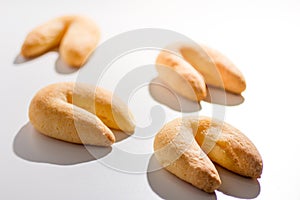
{"x":120,"y":135}
{"x":62,"y":68}
{"x":168,"y":186}
{"x":33,"y":146}
{"x":165,"y":95}
{"x":19,"y":59}
{"x":238,"y":186}
{"x":221,"y":97}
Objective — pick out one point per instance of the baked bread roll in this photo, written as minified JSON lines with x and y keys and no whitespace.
{"x":186,"y":146}
{"x":180,"y":76}
{"x":228,"y":147}
{"x":189,"y":68}
{"x":75,"y":36}
{"x":79,"y":113}
{"x":215,"y":67}
{"x":177,"y":150}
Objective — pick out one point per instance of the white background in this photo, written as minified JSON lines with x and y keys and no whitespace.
{"x":262,"y":39}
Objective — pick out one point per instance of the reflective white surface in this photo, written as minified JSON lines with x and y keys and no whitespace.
{"x":260,"y":37}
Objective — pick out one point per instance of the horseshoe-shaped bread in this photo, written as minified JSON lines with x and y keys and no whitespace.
{"x":76,"y":36}
{"x":177,"y":150}
{"x":79,"y":113}
{"x":193,"y":66}
{"x":180,"y":145}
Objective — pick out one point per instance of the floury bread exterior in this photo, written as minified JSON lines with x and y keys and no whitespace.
{"x":187,"y":147}
{"x":215,"y":67}
{"x":187,"y":68}
{"x":180,"y":76}
{"x":79,"y":113}
{"x":76,"y":37}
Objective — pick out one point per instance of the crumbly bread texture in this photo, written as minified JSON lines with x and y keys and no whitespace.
{"x":228,"y":147}
{"x":177,"y":150}
{"x":79,"y":113}
{"x":75,"y":36}
{"x":186,"y":146}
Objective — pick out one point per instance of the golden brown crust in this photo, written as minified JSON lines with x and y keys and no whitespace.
{"x":232,"y":149}
{"x":180,"y":145}
{"x":176,"y":149}
{"x":180,"y":76}
{"x":216,"y":68}
{"x":79,"y":41}
{"x":233,"y":78}
{"x":76,"y":36}
{"x":65,"y":111}
{"x":44,"y":38}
